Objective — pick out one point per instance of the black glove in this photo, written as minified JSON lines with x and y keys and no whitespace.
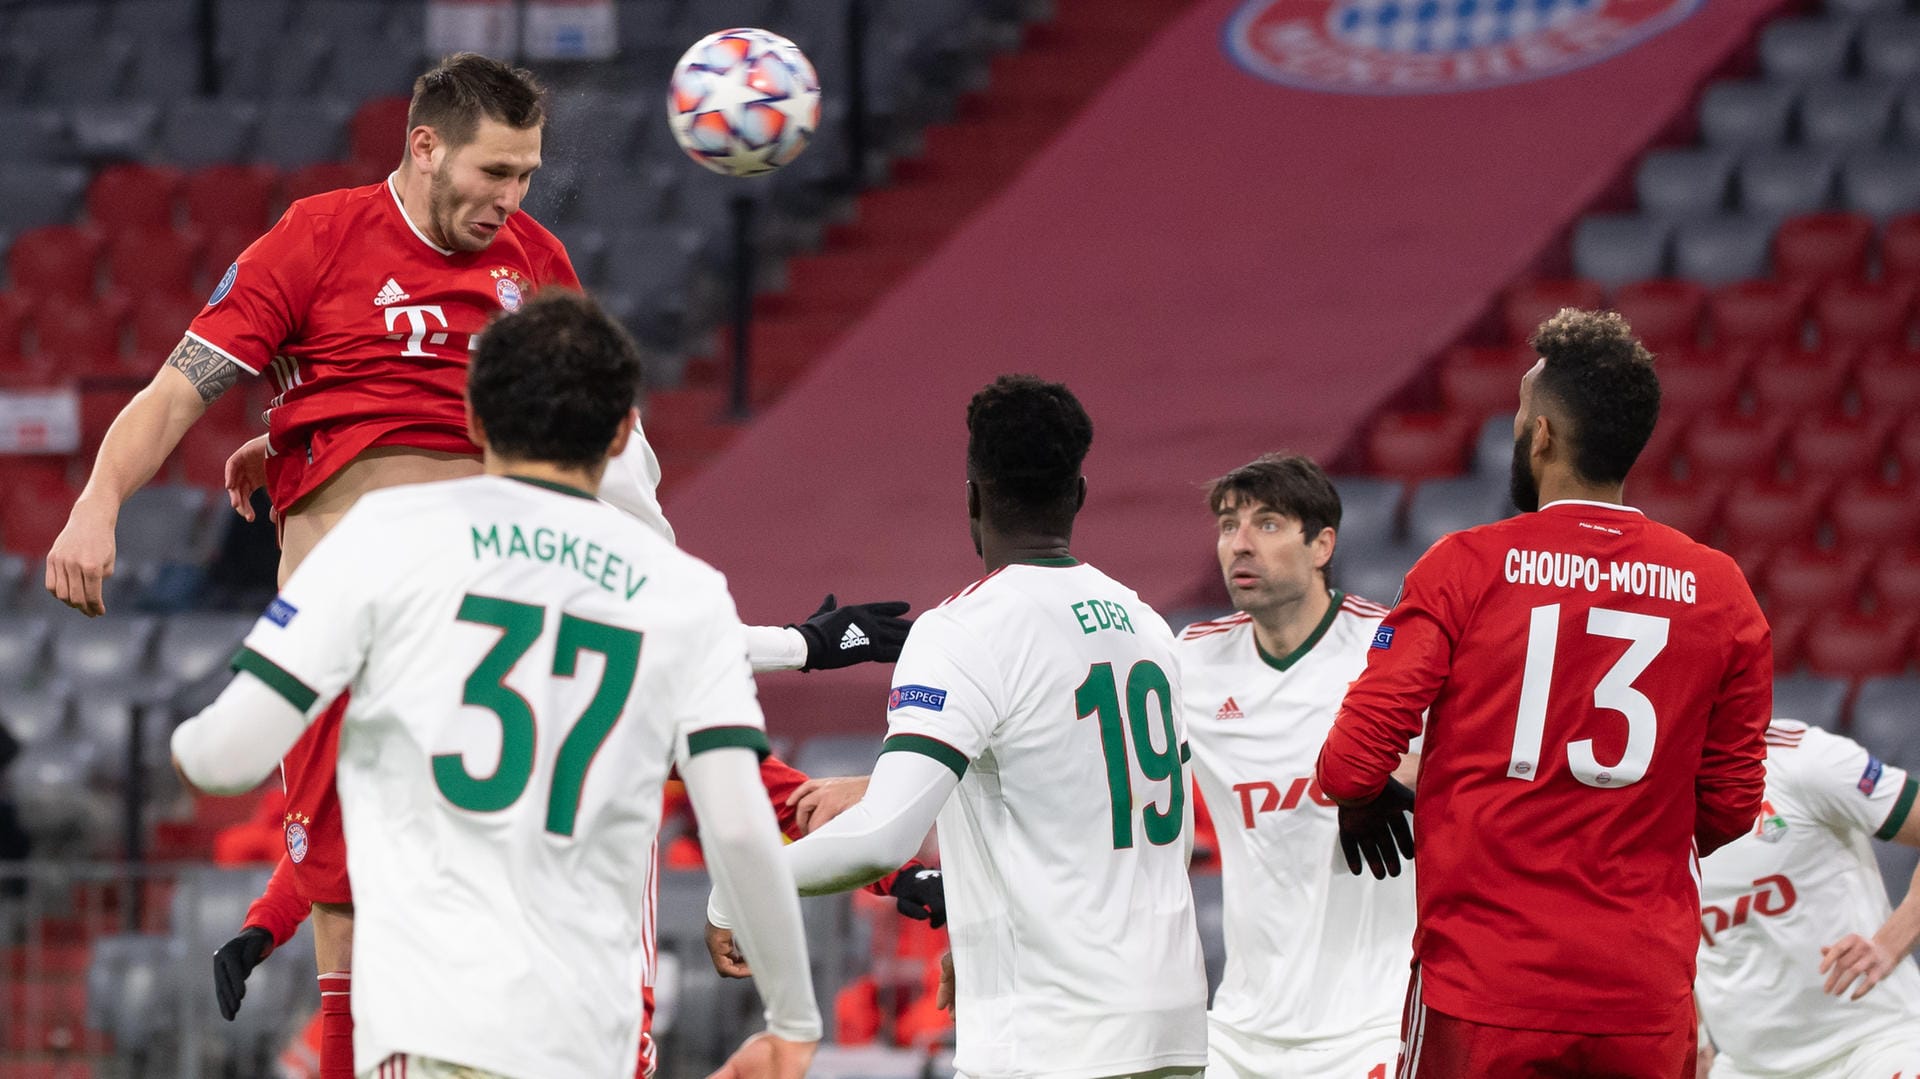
{"x":859,"y":633}
{"x":1372,"y":831}
{"x":233,"y":962}
{"x":920,"y":895}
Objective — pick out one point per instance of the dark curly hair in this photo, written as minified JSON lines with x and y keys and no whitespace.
{"x":1603,"y":378}
{"x":466,"y":86}
{"x":1026,"y":439}
{"x":551,"y":381}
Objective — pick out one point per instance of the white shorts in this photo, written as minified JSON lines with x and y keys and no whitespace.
{"x":1888,"y":1055}
{"x":402,"y":1066}
{"x":1367,"y":1054}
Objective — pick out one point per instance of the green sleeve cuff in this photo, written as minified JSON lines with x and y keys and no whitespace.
{"x":753,"y":738}
{"x":1902,"y":806}
{"x":928,"y":747}
{"x":277,"y":678}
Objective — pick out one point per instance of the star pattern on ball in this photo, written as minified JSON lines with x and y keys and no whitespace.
{"x":745,"y":102}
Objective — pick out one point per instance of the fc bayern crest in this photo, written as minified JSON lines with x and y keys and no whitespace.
{"x":509,"y":293}
{"x":1436,"y":46}
{"x":296,"y":841}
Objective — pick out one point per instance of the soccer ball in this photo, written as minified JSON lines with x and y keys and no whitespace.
{"x":743,"y":102}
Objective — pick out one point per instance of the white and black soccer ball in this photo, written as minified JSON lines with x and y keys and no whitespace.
{"x":743,"y":102}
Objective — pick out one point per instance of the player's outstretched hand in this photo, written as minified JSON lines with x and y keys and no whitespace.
{"x":857,"y":633}
{"x":920,"y":894}
{"x":246,"y":472}
{"x":233,"y":962}
{"x":1373,"y":831}
{"x":82,"y":558}
{"x":727,"y":960}
{"x":1855,"y":957}
{"x":818,"y":801}
{"x":764,"y":1056}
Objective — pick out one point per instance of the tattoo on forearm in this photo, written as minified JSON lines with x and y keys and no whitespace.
{"x":211,"y":373}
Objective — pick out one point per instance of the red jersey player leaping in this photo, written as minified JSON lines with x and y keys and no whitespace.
{"x":1598,"y":688}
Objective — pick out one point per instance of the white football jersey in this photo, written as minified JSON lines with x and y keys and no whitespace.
{"x":1802,"y":879}
{"x":1313,"y":952}
{"x":1052,"y":691}
{"x":526,"y":663}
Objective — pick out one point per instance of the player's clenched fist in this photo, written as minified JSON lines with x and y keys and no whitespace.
{"x":764,"y":1056}
{"x":727,"y":960}
{"x":82,"y":558}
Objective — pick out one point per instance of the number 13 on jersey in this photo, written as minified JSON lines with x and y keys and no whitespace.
{"x":1647,"y":637}
{"x":1147,"y":686}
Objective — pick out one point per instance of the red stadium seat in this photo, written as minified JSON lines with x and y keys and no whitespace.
{"x":134,"y":197}
{"x":1789,"y":631}
{"x":1900,"y":248}
{"x":201,"y":457}
{"x":1663,"y":313}
{"x":237,"y":197}
{"x":64,"y":327}
{"x":1833,"y":444}
{"x":1757,"y":312}
{"x":1896,"y":578}
{"x":1850,"y":645}
{"x":1420,"y":445}
{"x":377,"y":132}
{"x":1869,"y":512}
{"x":1530,"y":303}
{"x":97,"y":411}
{"x":33,"y":503}
{"x":1694,"y":379}
{"x":1821,"y":247}
{"x":1906,"y":446}
{"x":1483,"y":382}
{"x":13,"y":324}
{"x":1772,"y":513}
{"x":163,"y":261}
{"x":58,"y":260}
{"x":1889,"y":379}
{"x":1806,"y":578}
{"x":1660,"y":456}
{"x":158,"y":322}
{"x":1864,"y":312}
{"x":1693,"y":508}
{"x":1733,"y":444}
{"x":1793,"y":380}
{"x":222,"y":247}
{"x":327,"y":176}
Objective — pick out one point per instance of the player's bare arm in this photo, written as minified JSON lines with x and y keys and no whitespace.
{"x":1868,"y":960}
{"x":141,"y":437}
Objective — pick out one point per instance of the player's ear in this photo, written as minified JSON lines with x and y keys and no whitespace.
{"x":1322,"y":547}
{"x":476,"y":433}
{"x":1080,"y":495}
{"x":624,"y":433}
{"x":421,"y":142}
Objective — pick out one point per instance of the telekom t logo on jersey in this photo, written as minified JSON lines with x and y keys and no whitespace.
{"x":1771,"y":896}
{"x":417,"y":323}
{"x":1271,"y":799}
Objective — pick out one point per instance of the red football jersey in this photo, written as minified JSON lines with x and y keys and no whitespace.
{"x":1597,"y":688}
{"x":366,"y":325}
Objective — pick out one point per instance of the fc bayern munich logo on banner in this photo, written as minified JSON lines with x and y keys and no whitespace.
{"x":1436,"y":46}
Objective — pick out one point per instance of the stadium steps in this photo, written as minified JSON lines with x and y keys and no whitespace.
{"x":1035,"y":93}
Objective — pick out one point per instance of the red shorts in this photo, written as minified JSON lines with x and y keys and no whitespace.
{"x":316,"y":843}
{"x":1438,"y":1046}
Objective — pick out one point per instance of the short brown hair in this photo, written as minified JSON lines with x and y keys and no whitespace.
{"x":453,"y":97}
{"x":1603,"y":377}
{"x":1287,"y":482}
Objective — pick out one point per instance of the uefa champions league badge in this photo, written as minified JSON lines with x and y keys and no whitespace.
{"x":1436,"y":46}
{"x":297,"y":836}
{"x":225,"y":286}
{"x":507,"y":286}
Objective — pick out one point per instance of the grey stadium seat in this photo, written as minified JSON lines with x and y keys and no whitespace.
{"x":1684,"y":183}
{"x":296,"y":133}
{"x":1906,"y":131}
{"x":1369,"y":511}
{"x":1881,"y":183}
{"x":1740,"y":114}
{"x":1890,"y":48}
{"x":34,"y":134}
{"x":1846,"y":114}
{"x":1615,"y":248}
{"x":613,"y":198}
{"x":49,"y":786}
{"x":23,"y":648}
{"x":641,"y":262}
{"x":592,"y":126}
{"x":1723,"y":250}
{"x":103,"y":650}
{"x":293,"y":70}
{"x":33,"y":716}
{"x":1209,"y":914}
{"x":1782,"y":183}
{"x":153,"y":22}
{"x":138,"y":986}
{"x":586,"y":246}
{"x":1801,"y":49}
{"x":168,"y":523}
{"x":373,"y":69}
{"x":103,"y":719}
{"x":1493,"y":448}
{"x":192,"y":646}
{"x":13,"y":568}
{"x":1897,"y":861}
{"x":160,"y":74}
{"x":838,"y":754}
{"x":72,"y":71}
{"x":115,"y":130}
{"x":1886,"y":718}
{"x":207,"y":131}
{"x":1810,"y":699}
{"x":1442,"y":506}
{"x":70,"y":20}
{"x":553,"y":196}
{"x":1862,"y":7}
{"x":1378,"y":575}
{"x":33,"y":194}
{"x":362,"y":21}
{"x":251,"y":25}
